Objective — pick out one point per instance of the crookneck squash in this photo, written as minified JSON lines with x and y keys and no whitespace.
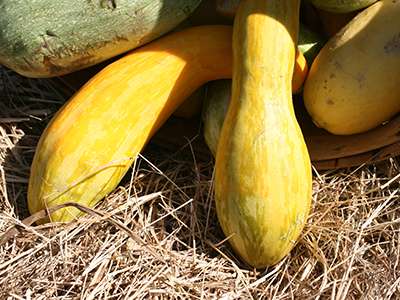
{"x":218,"y":96}
{"x":92,"y":141}
{"x":263,"y":170}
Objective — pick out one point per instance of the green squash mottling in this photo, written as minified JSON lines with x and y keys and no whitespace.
{"x":262,"y":167}
{"x":50,"y":38}
{"x":215,"y":107}
{"x":219,"y":92}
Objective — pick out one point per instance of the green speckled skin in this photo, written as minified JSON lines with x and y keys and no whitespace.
{"x":262,"y":167}
{"x":219,"y":91}
{"x":215,"y":107}
{"x":41,"y":38}
{"x":92,"y":141}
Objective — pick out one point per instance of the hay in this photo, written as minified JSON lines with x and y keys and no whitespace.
{"x":164,"y":240}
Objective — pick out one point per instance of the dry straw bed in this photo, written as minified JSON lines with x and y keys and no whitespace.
{"x":157,"y":235}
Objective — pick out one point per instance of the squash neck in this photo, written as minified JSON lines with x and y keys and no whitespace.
{"x":256,"y":74}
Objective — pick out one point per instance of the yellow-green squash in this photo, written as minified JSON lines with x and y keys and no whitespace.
{"x":218,"y":97}
{"x":262,"y":169}
{"x":44,"y":38}
{"x":353,"y":84}
{"x":216,"y":105}
{"x":92,"y":141}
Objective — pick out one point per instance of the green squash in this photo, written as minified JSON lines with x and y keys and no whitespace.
{"x":44,"y":38}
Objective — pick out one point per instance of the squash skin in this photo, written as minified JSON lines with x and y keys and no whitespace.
{"x":310,"y":42}
{"x":51,"y":38}
{"x":353,"y":85}
{"x":263,"y":170}
{"x":219,"y":92}
{"x":219,"y":95}
{"x":216,"y":105}
{"x":92,"y":141}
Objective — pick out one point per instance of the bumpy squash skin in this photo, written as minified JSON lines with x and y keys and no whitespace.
{"x":51,"y":38}
{"x":353,"y":84}
{"x":342,"y":6}
{"x":263,"y":170}
{"x":92,"y":141}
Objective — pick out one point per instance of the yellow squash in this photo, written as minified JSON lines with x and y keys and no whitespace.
{"x":218,"y":97}
{"x":263,"y":171}
{"x":93,"y":139}
{"x":353,"y":84}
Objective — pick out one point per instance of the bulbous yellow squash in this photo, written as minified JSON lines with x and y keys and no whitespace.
{"x":263,"y":170}
{"x":94,"y":138}
{"x":353,"y":84}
